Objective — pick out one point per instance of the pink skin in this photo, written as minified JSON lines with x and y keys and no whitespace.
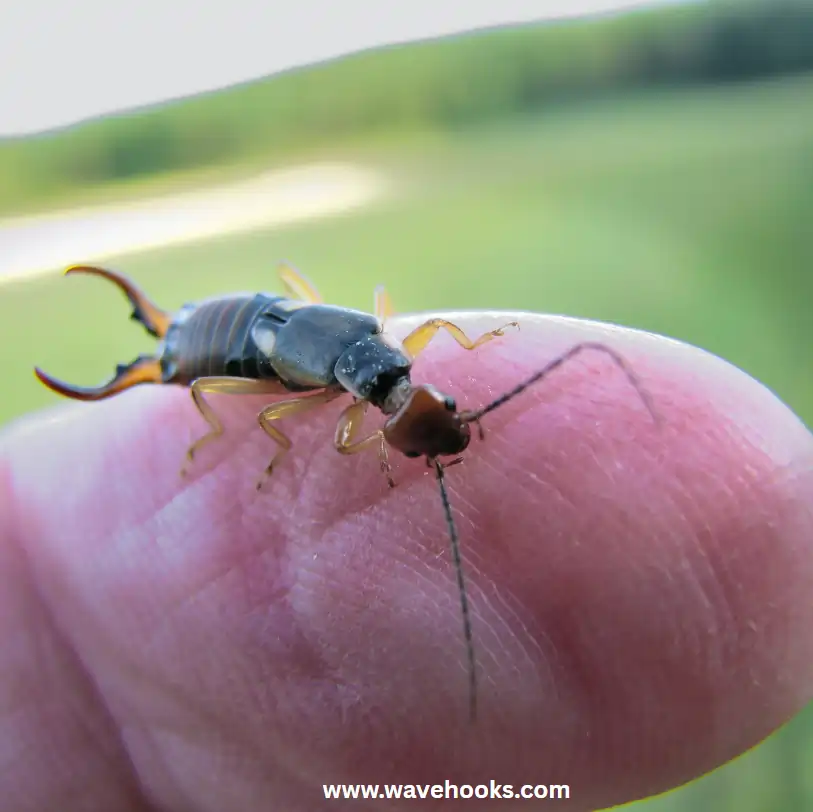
{"x":640,"y":595}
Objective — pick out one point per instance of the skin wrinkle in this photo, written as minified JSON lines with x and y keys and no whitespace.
{"x":155,"y":736}
{"x":540,"y":642}
{"x":548,"y":482}
{"x":478,"y":598}
{"x":172,"y":750}
{"x":380,"y":591}
{"x":718,"y":656}
{"x":690,"y":635}
{"x":545,"y":658}
{"x":367,"y":597}
{"x":486,"y":590}
{"x":718,"y":593}
{"x":493,"y":656}
{"x":311,"y":582}
{"x":716,"y":580}
{"x":150,"y":726}
{"x":736,"y":587}
{"x":288,"y":535}
{"x":704,"y":552}
{"x":562,"y":650}
{"x":418,"y":568}
{"x":694,"y":580}
{"x":793,"y":504}
{"x":247,"y":680}
{"x":131,"y":790}
{"x":239,"y":555}
{"x":199,"y":709}
{"x":553,"y":662}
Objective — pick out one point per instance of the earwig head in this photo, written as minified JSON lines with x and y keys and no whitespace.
{"x":427,"y":423}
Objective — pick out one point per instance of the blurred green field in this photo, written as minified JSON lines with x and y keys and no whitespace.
{"x":686,"y":213}
{"x":438,"y":85}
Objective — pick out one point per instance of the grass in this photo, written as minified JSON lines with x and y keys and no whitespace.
{"x":372,"y":94}
{"x":686,"y":213}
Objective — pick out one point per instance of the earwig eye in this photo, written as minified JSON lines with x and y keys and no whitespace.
{"x":412,"y":454}
{"x":450,"y":404}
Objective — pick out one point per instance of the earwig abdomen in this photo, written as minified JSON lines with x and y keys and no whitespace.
{"x":218,"y":337}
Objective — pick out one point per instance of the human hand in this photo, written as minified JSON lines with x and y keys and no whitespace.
{"x":640,"y":595}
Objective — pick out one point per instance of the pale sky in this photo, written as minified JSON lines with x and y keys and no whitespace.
{"x":64,"y":61}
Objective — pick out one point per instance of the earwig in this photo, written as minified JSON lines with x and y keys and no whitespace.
{"x":260,"y":343}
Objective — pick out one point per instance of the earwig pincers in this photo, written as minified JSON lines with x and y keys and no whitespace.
{"x":261,"y":343}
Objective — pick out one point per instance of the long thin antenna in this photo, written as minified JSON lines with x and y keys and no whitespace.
{"x":461,"y":585}
{"x":473,"y":417}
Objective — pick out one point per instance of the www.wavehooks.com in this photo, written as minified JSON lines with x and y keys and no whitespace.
{"x":447,"y":790}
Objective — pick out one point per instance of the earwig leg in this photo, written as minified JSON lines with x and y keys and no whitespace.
{"x":347,"y":429}
{"x":154,"y":320}
{"x":221,"y":386}
{"x":145,"y":369}
{"x":382,"y":304}
{"x":417,"y":340}
{"x":384,"y":461}
{"x":297,"y":285}
{"x":285,"y":409}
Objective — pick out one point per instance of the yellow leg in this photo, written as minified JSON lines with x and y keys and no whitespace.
{"x":347,"y":430}
{"x":222,"y":386}
{"x":383,"y":308}
{"x":417,"y":340}
{"x":297,"y":285}
{"x":285,"y":409}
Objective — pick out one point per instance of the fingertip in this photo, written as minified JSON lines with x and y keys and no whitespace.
{"x":638,"y":592}
{"x":678,"y":551}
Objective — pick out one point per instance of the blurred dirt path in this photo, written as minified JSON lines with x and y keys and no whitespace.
{"x":42,"y":243}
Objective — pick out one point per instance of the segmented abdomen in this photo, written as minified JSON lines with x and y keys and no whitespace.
{"x":214,"y":338}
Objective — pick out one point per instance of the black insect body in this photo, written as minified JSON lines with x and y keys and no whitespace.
{"x":295,"y":344}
